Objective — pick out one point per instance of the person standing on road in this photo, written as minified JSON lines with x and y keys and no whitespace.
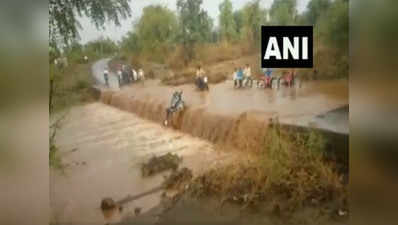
{"x":235,"y":77}
{"x":135,"y":75}
{"x":119,"y":77}
{"x":240,"y":76}
{"x":247,"y":74}
{"x":106,"y":77}
{"x":141,"y":74}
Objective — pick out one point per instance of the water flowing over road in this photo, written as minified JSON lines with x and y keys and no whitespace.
{"x":320,"y":104}
{"x":103,"y":147}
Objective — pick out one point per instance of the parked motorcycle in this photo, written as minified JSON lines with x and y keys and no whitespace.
{"x":289,"y":81}
{"x":268,"y":82}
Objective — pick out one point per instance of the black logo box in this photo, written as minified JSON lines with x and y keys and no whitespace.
{"x":286,"y":31}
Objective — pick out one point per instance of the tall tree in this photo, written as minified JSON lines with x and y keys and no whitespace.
{"x":228,"y":29}
{"x":195,"y":24}
{"x":239,"y":20}
{"x":315,"y":8}
{"x":254,"y":16}
{"x":336,"y":25}
{"x":283,"y":12}
{"x":156,"y":27}
{"x":63,"y":22}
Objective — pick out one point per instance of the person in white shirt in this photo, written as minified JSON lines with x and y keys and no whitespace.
{"x":135,"y":75}
{"x":119,"y":77}
{"x":106,"y":78}
{"x":235,"y":77}
{"x":141,"y":74}
{"x":247,"y":73}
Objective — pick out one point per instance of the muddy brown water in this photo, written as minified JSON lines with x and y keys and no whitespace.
{"x":103,"y":147}
{"x":237,"y":117}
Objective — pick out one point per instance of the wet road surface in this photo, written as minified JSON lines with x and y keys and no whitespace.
{"x":305,"y":106}
{"x":316,"y":104}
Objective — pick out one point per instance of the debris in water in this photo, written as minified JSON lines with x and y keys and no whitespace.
{"x":137,"y":211}
{"x":178,"y":178}
{"x":342,"y":212}
{"x":160,"y":163}
{"x":107,"y":204}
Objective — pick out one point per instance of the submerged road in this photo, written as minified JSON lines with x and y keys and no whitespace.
{"x":319,"y":104}
{"x":103,"y":147}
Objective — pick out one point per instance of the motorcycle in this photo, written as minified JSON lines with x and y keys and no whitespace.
{"x":176,"y":105}
{"x":289,"y":81}
{"x":202,"y":84}
{"x":268,"y":82}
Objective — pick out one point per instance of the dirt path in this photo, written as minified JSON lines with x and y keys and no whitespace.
{"x":103,"y":149}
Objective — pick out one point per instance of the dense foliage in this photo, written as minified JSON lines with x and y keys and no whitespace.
{"x":63,"y":17}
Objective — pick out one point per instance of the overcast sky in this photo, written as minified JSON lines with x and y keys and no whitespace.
{"x":89,"y":31}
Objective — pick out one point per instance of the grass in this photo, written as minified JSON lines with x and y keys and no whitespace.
{"x":290,"y":169}
{"x":72,"y":86}
{"x":54,"y":158}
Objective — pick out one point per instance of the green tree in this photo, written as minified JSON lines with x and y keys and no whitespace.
{"x":195,"y":26}
{"x":253,"y":17}
{"x":156,"y":28}
{"x":101,"y":46}
{"x":130,"y":42}
{"x":239,"y":21}
{"x":316,"y":8}
{"x":283,"y":12}
{"x":335,"y":25}
{"x":228,"y":28}
{"x":63,"y":22}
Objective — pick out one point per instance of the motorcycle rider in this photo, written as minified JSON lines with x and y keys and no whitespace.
{"x":199,"y":76}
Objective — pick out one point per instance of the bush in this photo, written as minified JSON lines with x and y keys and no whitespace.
{"x":290,"y":167}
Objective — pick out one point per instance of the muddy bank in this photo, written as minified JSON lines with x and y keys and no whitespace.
{"x":187,"y":210}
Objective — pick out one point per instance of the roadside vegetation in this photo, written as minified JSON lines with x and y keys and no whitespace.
{"x":71,"y":82}
{"x":187,"y":38}
{"x":290,"y":172}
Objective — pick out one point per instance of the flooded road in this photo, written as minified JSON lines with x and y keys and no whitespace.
{"x":103,"y":149}
{"x":305,"y":106}
{"x":316,"y":103}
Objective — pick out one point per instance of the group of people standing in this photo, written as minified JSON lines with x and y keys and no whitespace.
{"x":242,"y":76}
{"x":125,"y":75}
